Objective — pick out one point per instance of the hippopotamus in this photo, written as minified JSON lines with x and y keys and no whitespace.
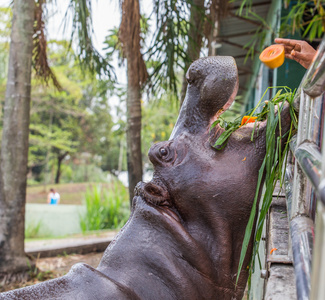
{"x":184,"y":235}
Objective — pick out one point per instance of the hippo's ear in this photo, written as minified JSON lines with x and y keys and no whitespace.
{"x":212,"y":87}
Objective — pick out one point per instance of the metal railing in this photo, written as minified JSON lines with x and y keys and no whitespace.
{"x":305,"y":184}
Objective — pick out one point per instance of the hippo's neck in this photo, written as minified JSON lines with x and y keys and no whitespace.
{"x":163,"y":255}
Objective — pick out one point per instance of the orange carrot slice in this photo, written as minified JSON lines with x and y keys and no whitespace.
{"x":272,"y":250}
{"x":273,"y":56}
{"x":247,"y":119}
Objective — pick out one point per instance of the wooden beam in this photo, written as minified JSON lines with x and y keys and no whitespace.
{"x":239,"y":34}
{"x":245,"y":20}
{"x":253,"y":5}
{"x":236,"y":45}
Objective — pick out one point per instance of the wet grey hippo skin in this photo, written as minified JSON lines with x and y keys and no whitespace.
{"x":183,"y":238}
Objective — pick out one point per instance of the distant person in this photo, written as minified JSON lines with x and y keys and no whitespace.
{"x":300,"y":51}
{"x":53,"y":197}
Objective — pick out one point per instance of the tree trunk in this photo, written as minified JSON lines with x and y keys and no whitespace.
{"x":217,"y":10}
{"x":133,"y":135}
{"x":194,"y":39}
{"x":129,"y":35}
{"x":58,"y":171}
{"x":14,"y":148}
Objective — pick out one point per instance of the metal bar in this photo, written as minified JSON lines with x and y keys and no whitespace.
{"x":300,"y":190}
{"x":288,"y":180}
{"x":317,"y":121}
{"x":310,"y":161}
{"x":302,"y":231}
{"x":304,"y":116}
{"x":318,"y":265}
{"x":309,"y":164}
{"x":311,"y":116}
{"x":314,"y":81}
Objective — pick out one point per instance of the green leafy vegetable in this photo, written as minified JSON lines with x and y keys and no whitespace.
{"x":271,"y":166}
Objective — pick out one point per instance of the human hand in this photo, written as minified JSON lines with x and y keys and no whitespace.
{"x":300,"y":51}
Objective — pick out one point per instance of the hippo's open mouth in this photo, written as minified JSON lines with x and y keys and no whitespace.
{"x":158,"y":197}
{"x":260,"y":124}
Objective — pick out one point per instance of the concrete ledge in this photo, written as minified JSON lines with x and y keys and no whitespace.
{"x":281,"y":284}
{"x":77,"y":245}
{"x":80,"y":249}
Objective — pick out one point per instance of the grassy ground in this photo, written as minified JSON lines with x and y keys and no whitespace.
{"x":71,"y":193}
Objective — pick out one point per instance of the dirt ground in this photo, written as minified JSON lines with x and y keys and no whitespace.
{"x":52,"y":267}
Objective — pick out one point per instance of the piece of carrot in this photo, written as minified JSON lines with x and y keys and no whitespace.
{"x":247,"y":119}
{"x":274,"y":249}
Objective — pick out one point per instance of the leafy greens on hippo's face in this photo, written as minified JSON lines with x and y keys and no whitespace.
{"x":271,"y":166}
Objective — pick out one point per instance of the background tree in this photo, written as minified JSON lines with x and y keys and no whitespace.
{"x":129,"y":35}
{"x":14,"y":147}
{"x":27,"y":23}
{"x":72,"y":121}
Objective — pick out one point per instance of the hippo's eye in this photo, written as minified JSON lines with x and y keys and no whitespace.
{"x":163,"y":151}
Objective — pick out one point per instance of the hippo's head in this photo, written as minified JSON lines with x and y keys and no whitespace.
{"x":184,"y":236}
{"x":208,"y":193}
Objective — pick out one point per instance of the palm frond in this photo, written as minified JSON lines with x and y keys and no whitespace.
{"x":82,"y":30}
{"x":167,"y":52}
{"x":40,"y":61}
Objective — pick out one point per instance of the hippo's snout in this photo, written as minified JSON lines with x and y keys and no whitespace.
{"x":153,"y":193}
{"x":157,"y":194}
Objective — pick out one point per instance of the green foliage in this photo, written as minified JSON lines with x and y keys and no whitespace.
{"x":113,"y":45}
{"x":70,"y":122}
{"x":168,"y":48}
{"x":258,"y":39}
{"x":158,"y":120}
{"x":307,"y":18}
{"x":83,"y":172}
{"x":5,"y":28}
{"x":271,"y":167}
{"x":106,"y":209}
{"x":80,"y":14}
{"x":32,"y":229}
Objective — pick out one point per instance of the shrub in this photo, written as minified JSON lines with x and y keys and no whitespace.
{"x":105,"y":208}
{"x":32,"y":229}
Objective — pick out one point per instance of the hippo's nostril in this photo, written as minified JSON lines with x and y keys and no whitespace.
{"x":154,"y":190}
{"x":156,"y":194}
